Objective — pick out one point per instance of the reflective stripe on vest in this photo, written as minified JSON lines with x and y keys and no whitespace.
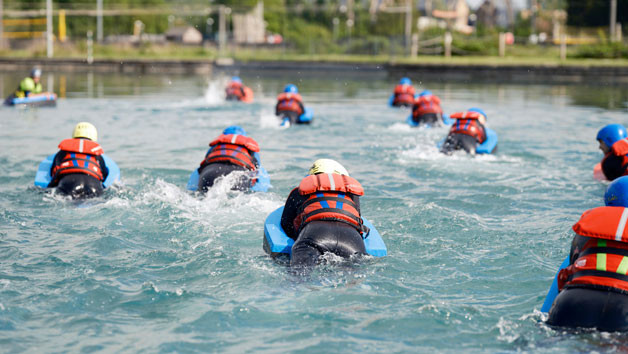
{"x":80,"y":145}
{"x":603,"y":264}
{"x":468,"y":127}
{"x":328,"y":200}
{"x":232,"y":148}
{"x":603,"y":261}
{"x":330,"y":206}
{"x":231,"y":153}
{"x":78,"y":163}
{"x":607,"y":223}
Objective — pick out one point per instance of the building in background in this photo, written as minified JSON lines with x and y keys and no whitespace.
{"x":185,"y":35}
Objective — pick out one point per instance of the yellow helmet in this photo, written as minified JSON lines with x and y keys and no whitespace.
{"x":327,"y":166}
{"x":85,"y":130}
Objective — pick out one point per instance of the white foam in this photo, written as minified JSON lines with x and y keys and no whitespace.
{"x":215,"y":92}
{"x":268,"y":119}
{"x":219,"y":206}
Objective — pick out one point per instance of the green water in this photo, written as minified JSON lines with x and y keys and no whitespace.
{"x":473,"y":243}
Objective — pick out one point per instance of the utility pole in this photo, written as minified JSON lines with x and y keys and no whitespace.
{"x":533,"y":9}
{"x":510,"y":14}
{"x":350,"y":17}
{"x":613,"y":20}
{"x":99,"y":27}
{"x":408,"y":32}
{"x":1,"y":26}
{"x":49,"y":34}
{"x":222,"y":30}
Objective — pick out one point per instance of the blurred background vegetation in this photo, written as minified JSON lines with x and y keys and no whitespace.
{"x":326,"y":27}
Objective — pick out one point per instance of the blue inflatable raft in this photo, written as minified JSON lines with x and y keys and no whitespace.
{"x":305,"y":118}
{"x":553,"y":291}
{"x":487,"y":147}
{"x":49,"y":100}
{"x":276,"y":242}
{"x":446,"y":121}
{"x":262,"y":182}
{"x":43,"y":177}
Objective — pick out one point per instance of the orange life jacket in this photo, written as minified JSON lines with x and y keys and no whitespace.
{"x":404,"y":94}
{"x":603,"y":261}
{"x":235,"y":89}
{"x":290,"y":102}
{"x":232,"y":148}
{"x":426,"y":105}
{"x":620,"y":148}
{"x":328,"y":200}
{"x":467,"y":123}
{"x":79,"y":156}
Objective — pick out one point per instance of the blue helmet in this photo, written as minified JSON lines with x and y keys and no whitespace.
{"x":236,"y":79}
{"x":290,"y":88}
{"x":611,"y":134}
{"x":36,"y":72}
{"x":425,"y":93}
{"x":234,"y":129}
{"x":617,"y":193}
{"x":405,"y":81}
{"x":478,"y":111}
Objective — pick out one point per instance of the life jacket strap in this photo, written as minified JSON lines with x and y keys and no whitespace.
{"x":331,"y":199}
{"x":598,"y":273}
{"x":607,"y":250}
{"x":220,"y":158}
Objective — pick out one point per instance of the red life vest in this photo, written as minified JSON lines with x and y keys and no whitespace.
{"x":467,"y":123}
{"x":620,"y":148}
{"x":235,"y":89}
{"x":289,"y":102}
{"x":426,"y":105}
{"x":404,"y":94}
{"x":603,"y":261}
{"x":328,"y":200}
{"x":232,"y":148}
{"x":79,"y":156}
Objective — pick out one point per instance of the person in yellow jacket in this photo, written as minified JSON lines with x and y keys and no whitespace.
{"x":30,"y":85}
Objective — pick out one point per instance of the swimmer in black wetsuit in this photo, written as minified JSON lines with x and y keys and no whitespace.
{"x":613,"y":143}
{"x":427,"y":110}
{"x":232,"y":151}
{"x":78,"y":170}
{"x":290,"y":104}
{"x":323,"y":215}
{"x":466,"y":133}
{"x":594,"y":287}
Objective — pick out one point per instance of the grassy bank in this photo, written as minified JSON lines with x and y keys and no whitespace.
{"x":516,"y":55}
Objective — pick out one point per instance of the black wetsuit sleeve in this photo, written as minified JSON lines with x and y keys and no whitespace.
{"x":302,"y":107}
{"x":103,"y":167}
{"x":277,"y":109}
{"x":290,"y":210}
{"x":483,"y":133}
{"x":356,"y":201}
{"x":612,"y":167}
{"x":576,"y":247}
{"x":255,"y":162}
{"x":55,"y":162}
